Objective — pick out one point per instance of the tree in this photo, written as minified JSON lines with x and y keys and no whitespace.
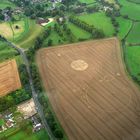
{"x":58,"y":134}
{"x":50,"y":42}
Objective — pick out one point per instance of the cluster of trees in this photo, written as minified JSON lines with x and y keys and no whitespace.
{"x":7,"y":11}
{"x":58,"y":133}
{"x":44,"y":102}
{"x":136,"y":79}
{"x":96,"y":33}
{"x":94,"y":8}
{"x":116,"y":25}
{"x":39,"y":43}
{"x":14,"y":98}
{"x":36,"y":9}
{"x":1,"y":15}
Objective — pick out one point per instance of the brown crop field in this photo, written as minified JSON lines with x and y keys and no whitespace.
{"x":90,"y":92}
{"x":9,"y":77}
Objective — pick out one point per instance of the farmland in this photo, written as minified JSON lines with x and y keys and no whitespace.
{"x":130,"y":9}
{"x":6,"y":3}
{"x":87,"y":1}
{"x":134,"y":36}
{"x":124,"y":27}
{"x":32,"y":30}
{"x":78,"y":32}
{"x":9,"y":78}
{"x":100,"y":21}
{"x":133,"y":60}
{"x":88,"y":87}
{"x":6,"y":52}
{"x":135,"y":1}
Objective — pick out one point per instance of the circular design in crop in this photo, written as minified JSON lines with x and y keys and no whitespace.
{"x":79,"y":65}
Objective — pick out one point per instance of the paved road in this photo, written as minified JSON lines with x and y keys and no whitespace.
{"x":34,"y":94}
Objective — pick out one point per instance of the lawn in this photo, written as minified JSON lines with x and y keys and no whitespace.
{"x":133,"y":60}
{"x":6,"y":3}
{"x":130,"y":9}
{"x":87,"y":1}
{"x":134,"y":35}
{"x":124,"y":27}
{"x":100,"y":21}
{"x":78,"y":32}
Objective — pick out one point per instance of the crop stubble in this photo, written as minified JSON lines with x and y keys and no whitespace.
{"x":97,"y":103}
{"x":9,"y":77}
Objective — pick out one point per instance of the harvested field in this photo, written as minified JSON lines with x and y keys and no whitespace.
{"x":9,"y":77}
{"x":90,"y":91}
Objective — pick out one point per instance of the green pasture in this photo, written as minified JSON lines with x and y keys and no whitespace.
{"x":21,"y":135}
{"x":78,"y":32}
{"x":32,"y":31}
{"x":100,"y":21}
{"x":130,"y":9}
{"x":133,"y":60}
{"x":124,"y":27}
{"x":6,"y":3}
{"x":134,"y":35}
{"x":6,"y":52}
{"x":56,"y":39}
{"x":9,"y":30}
{"x":135,"y":1}
{"x":87,"y":1}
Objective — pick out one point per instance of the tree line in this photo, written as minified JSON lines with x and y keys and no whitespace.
{"x":96,"y":33}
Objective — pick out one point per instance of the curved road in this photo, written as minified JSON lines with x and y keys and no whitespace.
{"x":34,"y":94}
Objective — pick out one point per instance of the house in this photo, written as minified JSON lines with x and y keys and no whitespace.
{"x":41,"y":21}
{"x":9,"y":124}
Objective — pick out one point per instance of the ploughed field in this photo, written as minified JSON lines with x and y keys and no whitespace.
{"x":9,"y":77}
{"x":90,"y":91}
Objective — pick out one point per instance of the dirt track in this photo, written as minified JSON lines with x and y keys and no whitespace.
{"x":98,"y":102}
{"x":9,"y":77}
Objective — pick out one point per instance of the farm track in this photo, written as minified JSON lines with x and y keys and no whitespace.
{"x":100,"y":103}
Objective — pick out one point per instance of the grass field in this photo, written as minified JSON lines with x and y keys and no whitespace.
{"x":21,"y":135}
{"x":92,"y":95}
{"x":9,"y":79}
{"x":78,"y":32}
{"x":133,"y":60}
{"x":18,"y":32}
{"x":124,"y":27}
{"x":130,"y":9}
{"x":100,"y":21}
{"x":8,"y":30}
{"x":55,"y":39}
{"x":32,"y":30}
{"x":6,"y":3}
{"x":134,"y":35}
{"x":5,"y":30}
{"x":135,"y":1}
{"x":87,"y":1}
{"x":6,"y":52}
